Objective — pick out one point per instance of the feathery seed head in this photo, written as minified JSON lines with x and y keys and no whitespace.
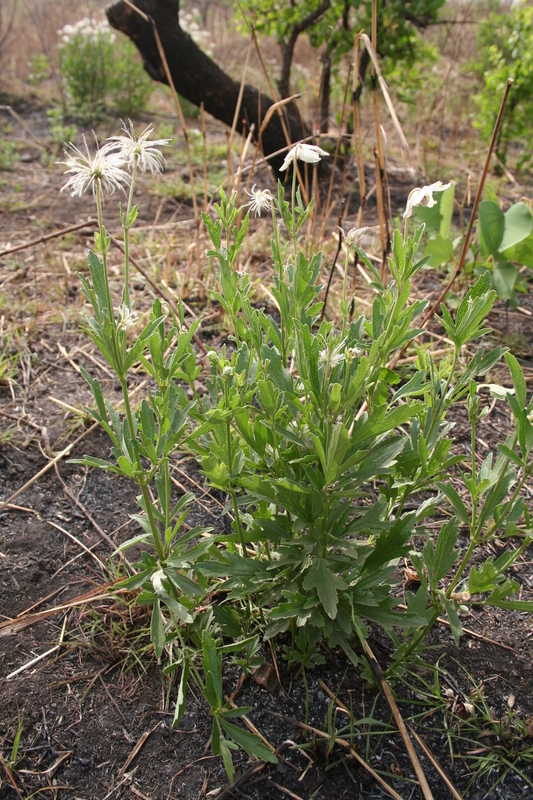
{"x":261,"y":200}
{"x":88,"y":170}
{"x":139,"y":149}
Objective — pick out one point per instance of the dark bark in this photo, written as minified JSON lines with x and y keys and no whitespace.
{"x":196,"y":77}
{"x":364,"y":61}
{"x":325,"y":88}
{"x":287,"y":47}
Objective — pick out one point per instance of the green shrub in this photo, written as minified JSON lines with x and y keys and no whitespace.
{"x":94,"y":68}
{"x":130,"y":86}
{"x":506,"y":51}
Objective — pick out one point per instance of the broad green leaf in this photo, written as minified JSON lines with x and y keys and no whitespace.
{"x":391,"y":544}
{"x":517,"y":226}
{"x":320,"y":577}
{"x":504,"y":278}
{"x":521,"y":253}
{"x":439,"y":250}
{"x":491,"y":227}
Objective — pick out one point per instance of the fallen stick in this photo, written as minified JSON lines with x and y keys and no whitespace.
{"x":41,"y":239}
{"x":436,"y":764}
{"x":347,"y":746}
{"x":380,"y":677}
{"x":48,"y":466}
{"x":36,"y":660}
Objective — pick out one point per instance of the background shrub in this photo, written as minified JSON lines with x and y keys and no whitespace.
{"x":95,"y":67}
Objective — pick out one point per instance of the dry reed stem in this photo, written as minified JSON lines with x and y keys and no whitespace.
{"x":236,"y":116}
{"x":479,"y":193}
{"x":429,"y":754}
{"x":273,"y":92}
{"x":327,"y":208}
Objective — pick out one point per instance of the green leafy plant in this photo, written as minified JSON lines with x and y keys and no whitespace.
{"x":130,"y":86}
{"x":317,"y":444}
{"x":94,"y":67}
{"x":504,"y":242}
{"x":506,"y":51}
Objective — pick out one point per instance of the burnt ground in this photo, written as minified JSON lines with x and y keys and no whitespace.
{"x":95,"y":712}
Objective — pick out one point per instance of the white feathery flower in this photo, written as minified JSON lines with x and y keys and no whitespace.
{"x":126,"y":316}
{"x":331,"y":358}
{"x":103,"y":167}
{"x":261,"y":200}
{"x":138,"y":149}
{"x":354,"y":236}
{"x":304,"y":152}
{"x":424,"y":197}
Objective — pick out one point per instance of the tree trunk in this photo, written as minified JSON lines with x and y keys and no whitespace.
{"x":325,"y":90}
{"x":196,"y":77}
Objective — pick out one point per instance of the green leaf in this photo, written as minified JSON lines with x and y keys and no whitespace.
{"x":453,"y":617}
{"x":504,"y":278}
{"x":519,"y":382}
{"x":439,"y":250}
{"x":491,"y":227}
{"x":157,"y":629}
{"x":212,"y":663}
{"x":98,"y":277}
{"x":182,"y":695}
{"x":249,"y":742}
{"x":445,"y":556}
{"x":391,"y":544}
{"x":517,"y":226}
{"x":455,"y":501}
{"x":320,"y":577}
{"x":521,"y":253}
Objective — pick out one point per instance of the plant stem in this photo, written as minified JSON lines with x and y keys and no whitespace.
{"x":126,"y":225}
{"x":142,"y":483}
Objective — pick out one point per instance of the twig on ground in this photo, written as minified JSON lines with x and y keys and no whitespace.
{"x":380,"y":677}
{"x":125,"y":779}
{"x":285,"y":791}
{"x":11,"y":626}
{"x":93,"y":522}
{"x":183,"y":769}
{"x":436,"y":764}
{"x":91,"y":223}
{"x":48,"y":466}
{"x":139,"y":744}
{"x":77,"y":541}
{"x":37,"y":659}
{"x":347,"y":746}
